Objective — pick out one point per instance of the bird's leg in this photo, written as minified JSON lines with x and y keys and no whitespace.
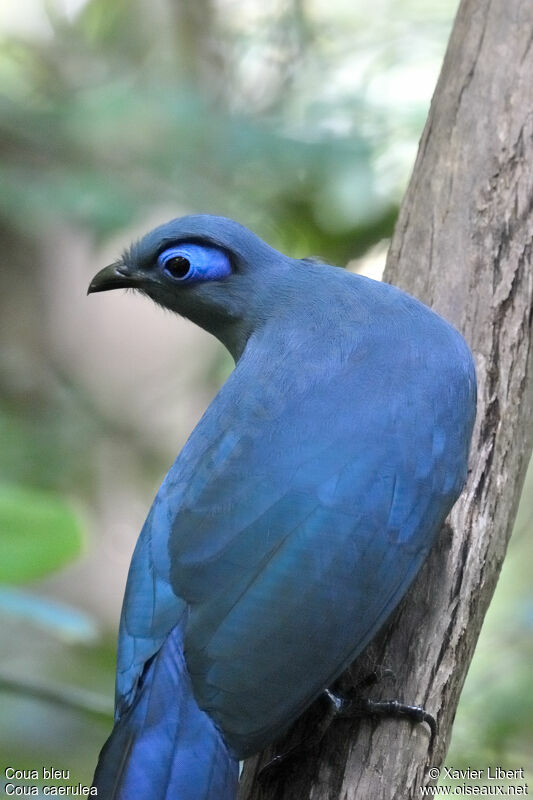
{"x":337,"y":706}
{"x":395,"y":710}
{"x":340,"y":706}
{"x":357,"y":706}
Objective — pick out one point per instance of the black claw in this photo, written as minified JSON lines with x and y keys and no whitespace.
{"x":354,"y":706}
{"x":396,"y":710}
{"x":358,"y":706}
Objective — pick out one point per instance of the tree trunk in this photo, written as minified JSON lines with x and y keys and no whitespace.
{"x":463,"y":245}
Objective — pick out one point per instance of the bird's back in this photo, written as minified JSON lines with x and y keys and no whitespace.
{"x":307,"y":498}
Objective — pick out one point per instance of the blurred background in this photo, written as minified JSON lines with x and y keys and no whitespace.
{"x":299,"y":118}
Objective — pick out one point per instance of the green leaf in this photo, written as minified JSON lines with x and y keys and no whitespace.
{"x":39,"y":533}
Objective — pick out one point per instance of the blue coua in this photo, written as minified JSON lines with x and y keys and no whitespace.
{"x":297,"y":514}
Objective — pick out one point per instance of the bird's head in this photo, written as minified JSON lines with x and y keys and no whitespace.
{"x":209,"y":269}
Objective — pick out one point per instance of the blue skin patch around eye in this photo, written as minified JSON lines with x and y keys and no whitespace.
{"x":188,"y":262}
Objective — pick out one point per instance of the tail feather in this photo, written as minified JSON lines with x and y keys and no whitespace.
{"x":165,"y":747}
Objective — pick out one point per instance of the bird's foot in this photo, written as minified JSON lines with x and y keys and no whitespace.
{"x":357,"y":706}
{"x":349,"y":706}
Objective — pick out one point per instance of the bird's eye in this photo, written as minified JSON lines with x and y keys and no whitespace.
{"x":177,"y":267}
{"x":189,"y":262}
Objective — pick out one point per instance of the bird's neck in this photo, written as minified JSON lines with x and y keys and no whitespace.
{"x":232,"y":332}
{"x":234,"y":337}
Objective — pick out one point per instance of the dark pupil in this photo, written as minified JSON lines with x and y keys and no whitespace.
{"x":178,"y":266}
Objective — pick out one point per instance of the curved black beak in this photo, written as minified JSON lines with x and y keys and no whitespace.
{"x":115,"y":276}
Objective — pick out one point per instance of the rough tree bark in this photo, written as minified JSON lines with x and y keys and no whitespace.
{"x":463,"y":244}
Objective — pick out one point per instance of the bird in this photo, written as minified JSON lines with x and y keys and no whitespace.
{"x":298,"y":512}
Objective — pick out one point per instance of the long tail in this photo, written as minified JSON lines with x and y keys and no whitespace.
{"x":164,"y":747}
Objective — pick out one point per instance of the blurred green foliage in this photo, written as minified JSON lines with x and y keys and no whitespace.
{"x":121,"y":109}
{"x":298,"y":118}
{"x":39,"y":533}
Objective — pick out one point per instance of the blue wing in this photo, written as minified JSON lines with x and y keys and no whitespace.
{"x":150,"y":608}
